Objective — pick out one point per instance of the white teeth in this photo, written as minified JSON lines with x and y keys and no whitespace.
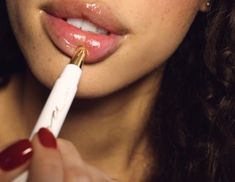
{"x":75,"y":22}
{"x":86,"y":26}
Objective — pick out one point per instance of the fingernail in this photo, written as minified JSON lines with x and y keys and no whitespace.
{"x":15,"y":155}
{"x":46,"y":138}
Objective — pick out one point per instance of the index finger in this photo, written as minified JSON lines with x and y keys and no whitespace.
{"x":46,"y":164}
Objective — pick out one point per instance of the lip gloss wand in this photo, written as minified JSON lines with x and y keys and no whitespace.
{"x":60,"y":99}
{"x":61,"y":96}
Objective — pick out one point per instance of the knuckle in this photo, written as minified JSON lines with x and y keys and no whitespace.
{"x":77,"y":173}
{"x":3,"y":178}
{"x":50,"y":165}
{"x":84,"y":179}
{"x":73,"y":171}
{"x":115,"y":179}
{"x":68,"y":145}
{"x":98,"y":176}
{"x":65,"y":143}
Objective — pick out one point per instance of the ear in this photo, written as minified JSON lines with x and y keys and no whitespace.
{"x":205,"y":5}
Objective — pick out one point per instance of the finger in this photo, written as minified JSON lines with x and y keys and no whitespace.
{"x":15,"y":159}
{"x":46,"y":164}
{"x":99,"y":176}
{"x":75,"y":169}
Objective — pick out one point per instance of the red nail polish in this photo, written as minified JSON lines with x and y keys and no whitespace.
{"x":15,"y":155}
{"x":46,"y":138}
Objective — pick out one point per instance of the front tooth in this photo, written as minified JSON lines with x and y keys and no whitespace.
{"x":76,"y":22}
{"x":101,"y":31}
{"x":88,"y":26}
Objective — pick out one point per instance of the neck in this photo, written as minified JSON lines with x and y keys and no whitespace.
{"x":106,"y":131}
{"x":10,"y":117}
{"x":112,"y":129}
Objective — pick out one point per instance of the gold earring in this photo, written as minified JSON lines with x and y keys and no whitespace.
{"x":208,"y":4}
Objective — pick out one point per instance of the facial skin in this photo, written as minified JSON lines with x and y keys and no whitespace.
{"x":155,"y":29}
{"x":106,"y":130}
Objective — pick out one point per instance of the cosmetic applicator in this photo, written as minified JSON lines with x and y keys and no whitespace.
{"x":60,"y":99}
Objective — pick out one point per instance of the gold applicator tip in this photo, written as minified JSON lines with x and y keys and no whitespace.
{"x":79,"y":57}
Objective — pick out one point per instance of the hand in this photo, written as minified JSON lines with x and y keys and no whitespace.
{"x":51,"y":161}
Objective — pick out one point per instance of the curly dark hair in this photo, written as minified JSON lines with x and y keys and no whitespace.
{"x":192,"y":126}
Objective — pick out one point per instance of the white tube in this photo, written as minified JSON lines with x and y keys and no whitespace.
{"x":57,"y":105}
{"x":59,"y":101}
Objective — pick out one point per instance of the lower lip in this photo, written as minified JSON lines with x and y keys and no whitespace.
{"x":67,"y":38}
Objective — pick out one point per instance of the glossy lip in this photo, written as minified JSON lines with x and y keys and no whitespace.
{"x":67,"y":37}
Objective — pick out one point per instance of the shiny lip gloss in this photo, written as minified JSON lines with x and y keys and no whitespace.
{"x":66,"y":37}
{"x":55,"y":18}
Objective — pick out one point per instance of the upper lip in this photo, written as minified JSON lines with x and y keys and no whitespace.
{"x":98,"y":13}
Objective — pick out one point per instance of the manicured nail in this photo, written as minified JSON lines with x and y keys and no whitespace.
{"x":46,"y":138}
{"x":15,"y":155}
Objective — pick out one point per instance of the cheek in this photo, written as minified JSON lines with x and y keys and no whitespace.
{"x":18,"y":15}
{"x":24,"y":17}
{"x":161,"y":25}
{"x":160,"y":12}
{"x":158,"y":27}
{"x":159,"y":15}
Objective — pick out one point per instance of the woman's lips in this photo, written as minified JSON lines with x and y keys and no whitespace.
{"x":67,"y":38}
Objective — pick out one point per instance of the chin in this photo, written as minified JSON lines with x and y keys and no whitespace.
{"x":88,"y":90}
